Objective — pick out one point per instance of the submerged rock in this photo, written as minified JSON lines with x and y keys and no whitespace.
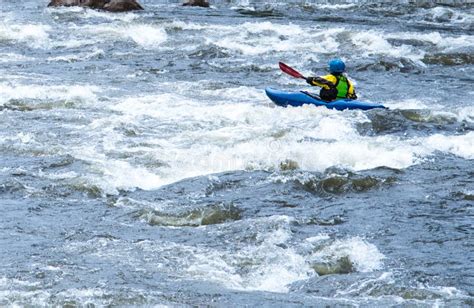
{"x":201,"y":3}
{"x":107,"y":5}
{"x":208,"y":215}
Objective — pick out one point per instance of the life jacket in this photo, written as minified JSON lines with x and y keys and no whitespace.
{"x":342,"y":85}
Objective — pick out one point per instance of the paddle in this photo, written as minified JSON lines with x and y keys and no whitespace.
{"x":290,"y":71}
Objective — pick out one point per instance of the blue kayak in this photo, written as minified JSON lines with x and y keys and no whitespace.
{"x":296,"y":99}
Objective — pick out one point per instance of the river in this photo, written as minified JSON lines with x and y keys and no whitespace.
{"x":141,"y":163}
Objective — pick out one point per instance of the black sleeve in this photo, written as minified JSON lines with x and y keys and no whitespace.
{"x":319,"y":81}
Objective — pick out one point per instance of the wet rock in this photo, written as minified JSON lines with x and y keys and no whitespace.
{"x":107,"y":5}
{"x":95,"y":4}
{"x":450,"y":59}
{"x":122,"y":6}
{"x":342,"y":266}
{"x":364,"y":184}
{"x":201,"y":3}
{"x":334,"y":221}
{"x":289,"y":165}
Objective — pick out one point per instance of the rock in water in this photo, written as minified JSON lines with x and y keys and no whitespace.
{"x":95,"y":4}
{"x":122,"y":6}
{"x":107,"y":5}
{"x":202,"y":3}
{"x":342,"y":266}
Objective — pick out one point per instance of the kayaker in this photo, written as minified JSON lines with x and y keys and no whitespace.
{"x":336,"y":85}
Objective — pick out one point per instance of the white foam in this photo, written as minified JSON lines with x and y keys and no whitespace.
{"x":466,"y":114}
{"x":318,"y":238}
{"x":248,"y":43}
{"x":211,"y":265}
{"x":82,"y":294}
{"x":78,"y":56}
{"x":449,"y":292}
{"x":20,"y":298}
{"x":142,"y":204}
{"x":186,"y":25}
{"x":279,"y":29}
{"x":74,"y":42}
{"x":125,"y":17}
{"x":441,"y":14}
{"x":448,"y":42}
{"x":191,"y":138}
{"x":273,"y":262}
{"x":409,"y":103}
{"x":239,"y":136}
{"x":87,"y":13}
{"x":374,"y":42}
{"x":256,"y":38}
{"x":335,"y":6}
{"x":59,"y":175}
{"x":20,"y":139}
{"x":461,"y":145}
{"x":111,"y":175}
{"x":272,"y":268}
{"x":146,"y":36}
{"x":52,"y":268}
{"x":224,"y":95}
{"x":14,"y":57}
{"x":8,"y":282}
{"x":66,"y":9}
{"x":34,"y":35}
{"x":25,"y":137}
{"x":79,"y":93}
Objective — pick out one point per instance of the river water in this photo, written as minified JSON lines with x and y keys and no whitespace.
{"x":142,"y":164}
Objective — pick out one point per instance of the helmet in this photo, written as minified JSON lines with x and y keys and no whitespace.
{"x":337,"y":66}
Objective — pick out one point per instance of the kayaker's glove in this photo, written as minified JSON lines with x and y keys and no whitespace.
{"x":353,"y":96}
{"x":310,"y":80}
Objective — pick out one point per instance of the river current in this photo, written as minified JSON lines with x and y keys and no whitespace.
{"x":142,"y":164}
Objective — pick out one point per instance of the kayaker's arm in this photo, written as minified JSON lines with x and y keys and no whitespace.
{"x":320,"y":82}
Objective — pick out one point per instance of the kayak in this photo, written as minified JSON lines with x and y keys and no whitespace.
{"x":296,"y":99}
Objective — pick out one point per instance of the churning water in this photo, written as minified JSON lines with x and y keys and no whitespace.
{"x":142,"y":164}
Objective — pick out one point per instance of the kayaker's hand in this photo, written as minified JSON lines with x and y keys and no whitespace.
{"x":310,"y":80}
{"x":353,"y":96}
